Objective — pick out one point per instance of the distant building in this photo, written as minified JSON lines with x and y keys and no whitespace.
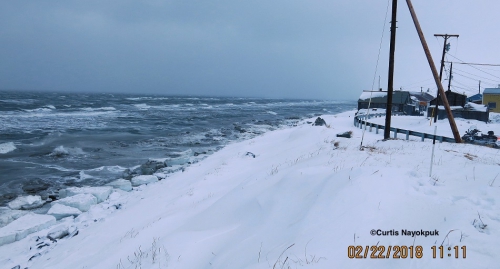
{"x":454,"y":99}
{"x":421,"y":100}
{"x":476,"y":99}
{"x":401,"y":101}
{"x":491,"y":98}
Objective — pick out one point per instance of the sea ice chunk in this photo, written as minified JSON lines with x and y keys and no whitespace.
{"x":58,"y":232}
{"x":81,"y":201}
{"x":60,"y":211}
{"x":23,"y":226}
{"x":7,"y":216}
{"x":101,"y":193}
{"x":143,"y":179}
{"x":26,"y":202}
{"x":121,"y":184}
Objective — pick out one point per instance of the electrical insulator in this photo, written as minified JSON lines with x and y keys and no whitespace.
{"x":447,"y":47}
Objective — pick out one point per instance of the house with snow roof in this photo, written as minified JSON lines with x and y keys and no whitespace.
{"x":476,"y":98}
{"x":421,"y":100}
{"x":401,"y":101}
{"x":491,"y":98}
{"x":454,"y":99}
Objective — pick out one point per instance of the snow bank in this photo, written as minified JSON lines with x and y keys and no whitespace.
{"x":23,"y":226}
{"x":423,"y":124}
{"x":476,"y":107}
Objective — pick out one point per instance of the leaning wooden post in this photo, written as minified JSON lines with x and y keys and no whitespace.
{"x":453,"y":125}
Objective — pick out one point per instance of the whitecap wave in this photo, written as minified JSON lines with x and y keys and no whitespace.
{"x":7,"y":147}
{"x":108,"y":108}
{"x":61,"y":151}
{"x":40,"y":109}
{"x":272,"y":112}
{"x":142,"y":106}
{"x":146,"y":98}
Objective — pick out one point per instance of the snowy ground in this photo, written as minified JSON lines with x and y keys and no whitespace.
{"x":300,"y":203}
{"x":425,"y":125}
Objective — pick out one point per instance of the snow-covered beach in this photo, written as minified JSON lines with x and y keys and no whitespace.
{"x":296,"y":197}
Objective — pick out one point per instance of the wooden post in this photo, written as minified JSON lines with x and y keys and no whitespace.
{"x":442,"y":65}
{"x":453,"y":125}
{"x":388,"y":110}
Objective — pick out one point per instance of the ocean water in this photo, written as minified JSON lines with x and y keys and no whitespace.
{"x":50,"y":141}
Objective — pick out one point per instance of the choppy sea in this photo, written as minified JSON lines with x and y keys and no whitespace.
{"x":50,"y":141}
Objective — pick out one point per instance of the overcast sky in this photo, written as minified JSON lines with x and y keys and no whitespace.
{"x":293,"y":49}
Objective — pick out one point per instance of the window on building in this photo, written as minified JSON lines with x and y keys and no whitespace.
{"x":492,"y":104}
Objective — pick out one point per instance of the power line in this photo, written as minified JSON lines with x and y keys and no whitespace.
{"x":474,"y":63}
{"x":474,"y":75}
{"x":380,"y":45}
{"x":475,"y":79}
{"x":474,"y":66}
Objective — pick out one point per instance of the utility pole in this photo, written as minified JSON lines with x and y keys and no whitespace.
{"x":480,"y":86}
{"x":453,"y":125}
{"x":388,"y":110}
{"x":445,"y":49}
{"x":451,"y":73}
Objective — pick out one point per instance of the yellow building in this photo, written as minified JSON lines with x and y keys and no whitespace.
{"x":491,"y":98}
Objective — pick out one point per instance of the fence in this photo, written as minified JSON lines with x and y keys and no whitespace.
{"x":362,"y":120}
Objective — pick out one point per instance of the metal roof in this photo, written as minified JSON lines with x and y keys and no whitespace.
{"x":491,"y":91}
{"x":475,"y":97}
{"x":422,"y":96}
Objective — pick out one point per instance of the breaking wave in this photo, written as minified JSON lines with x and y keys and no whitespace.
{"x":7,"y":147}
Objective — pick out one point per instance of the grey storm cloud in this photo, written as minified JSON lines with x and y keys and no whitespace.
{"x":296,"y":49}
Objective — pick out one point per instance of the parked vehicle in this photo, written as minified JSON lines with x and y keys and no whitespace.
{"x":475,"y":136}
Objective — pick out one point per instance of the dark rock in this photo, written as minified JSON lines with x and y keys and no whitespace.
{"x":43,"y":245}
{"x":7,"y":197}
{"x":127,"y":174}
{"x":151,"y":166}
{"x":319,"y":122}
{"x":345,"y":134}
{"x":35,"y":187}
{"x":34,"y":256}
{"x":239,"y":129}
{"x":16,"y":267}
{"x":250,"y":154}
